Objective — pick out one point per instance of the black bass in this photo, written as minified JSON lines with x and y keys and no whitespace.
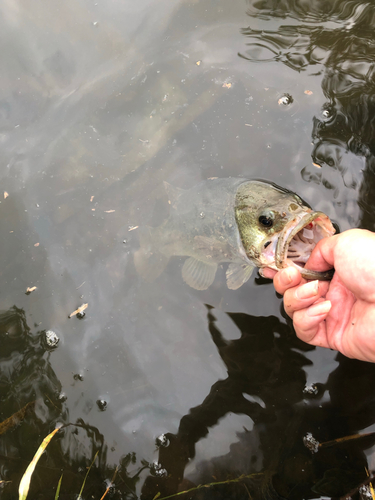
{"x":245,"y":223}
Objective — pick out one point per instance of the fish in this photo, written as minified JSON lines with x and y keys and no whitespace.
{"x":246,"y":223}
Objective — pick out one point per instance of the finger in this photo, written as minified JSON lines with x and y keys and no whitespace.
{"x":300,"y":297}
{"x":267,"y":272}
{"x":307,"y":321}
{"x":322,"y":256}
{"x":303,"y":296}
{"x":287,"y":278}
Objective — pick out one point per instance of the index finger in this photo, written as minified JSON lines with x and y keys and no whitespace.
{"x":287,"y":278}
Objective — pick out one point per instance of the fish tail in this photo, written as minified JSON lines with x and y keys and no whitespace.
{"x":148,"y":260}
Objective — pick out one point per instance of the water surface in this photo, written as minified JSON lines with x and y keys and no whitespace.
{"x":100,"y":103}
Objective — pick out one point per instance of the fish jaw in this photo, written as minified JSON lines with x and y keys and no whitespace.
{"x":294,"y":244}
{"x":298,"y":239}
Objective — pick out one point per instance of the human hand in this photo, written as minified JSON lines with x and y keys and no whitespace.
{"x":339,"y":314}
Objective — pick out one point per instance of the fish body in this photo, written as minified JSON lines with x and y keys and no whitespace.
{"x":238,"y":221}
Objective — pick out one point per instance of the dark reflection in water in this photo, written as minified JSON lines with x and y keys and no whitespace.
{"x":28,"y":381}
{"x":266,"y":381}
{"x":336,"y":40}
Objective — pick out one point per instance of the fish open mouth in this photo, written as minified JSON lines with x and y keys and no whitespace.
{"x":298,"y":240}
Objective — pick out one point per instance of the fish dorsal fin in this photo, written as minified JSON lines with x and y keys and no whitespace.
{"x":173,"y":193}
{"x":197,"y":274}
{"x":238,"y":274}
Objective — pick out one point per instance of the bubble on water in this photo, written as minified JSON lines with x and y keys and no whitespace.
{"x":162,"y":441}
{"x":285,"y":99}
{"x":311,"y":389}
{"x":311,"y":443}
{"x":51,"y":338}
{"x":62,"y":397}
{"x":102,"y":404}
{"x":365,"y":492}
{"x":202,"y":215}
{"x":157,"y":470}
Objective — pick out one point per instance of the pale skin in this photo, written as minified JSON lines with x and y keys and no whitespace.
{"x":339,"y":314}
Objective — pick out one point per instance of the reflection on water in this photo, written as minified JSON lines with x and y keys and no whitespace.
{"x":100,"y":103}
{"x":336,"y":41}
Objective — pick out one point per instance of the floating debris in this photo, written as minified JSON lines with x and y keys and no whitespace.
{"x":15,"y":419}
{"x":156,"y":469}
{"x":62,"y":397}
{"x":311,"y":389}
{"x":308,"y":92}
{"x":365,"y":492}
{"x":162,"y":441}
{"x":131,"y":228}
{"x":227,"y":85}
{"x":30,"y":289}
{"x":6,"y":195}
{"x":36,"y":244}
{"x":110,"y":484}
{"x":109,"y":211}
{"x":79,"y":312}
{"x":102,"y":404}
{"x":311,"y":443}
{"x":316,"y":165}
{"x":51,"y":338}
{"x":92,"y":197}
{"x":344,"y":439}
{"x":198,"y":63}
{"x":285,"y":100}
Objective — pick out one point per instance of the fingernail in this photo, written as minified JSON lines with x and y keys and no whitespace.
{"x":320,"y":308}
{"x":286,"y":276}
{"x":308,"y":290}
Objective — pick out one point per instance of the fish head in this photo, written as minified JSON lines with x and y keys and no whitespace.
{"x":278,"y":229}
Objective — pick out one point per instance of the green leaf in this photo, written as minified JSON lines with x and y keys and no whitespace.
{"x":58,"y":488}
{"x":87,"y":473}
{"x":23,"y":489}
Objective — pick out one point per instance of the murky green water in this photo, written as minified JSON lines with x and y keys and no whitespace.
{"x":100,"y":102}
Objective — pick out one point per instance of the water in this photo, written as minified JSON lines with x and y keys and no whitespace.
{"x":99,"y":104}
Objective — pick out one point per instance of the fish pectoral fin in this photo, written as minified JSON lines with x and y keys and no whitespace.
{"x":197,"y":274}
{"x":238,"y":274}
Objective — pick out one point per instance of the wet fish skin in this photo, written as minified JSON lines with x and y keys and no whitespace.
{"x":215,"y":222}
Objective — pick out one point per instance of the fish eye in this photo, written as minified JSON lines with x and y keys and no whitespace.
{"x":266,"y":220}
